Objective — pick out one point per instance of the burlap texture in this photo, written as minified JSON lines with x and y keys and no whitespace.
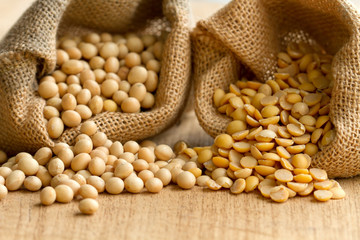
{"x":28,"y":51}
{"x":248,"y":34}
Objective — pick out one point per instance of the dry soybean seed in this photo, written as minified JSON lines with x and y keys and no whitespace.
{"x":56,"y":166}
{"x":176,"y":171}
{"x":131,"y":146}
{"x":96,"y":182}
{"x":116,"y":149}
{"x":163,"y":152}
{"x":55,"y":127}
{"x":74,"y":185}
{"x":88,"y":191}
{"x":134,"y":184}
{"x":5,"y":172}
{"x":114,"y":185}
{"x":3,"y":192}
{"x":130,"y":105}
{"x":89,"y":128}
{"x":58,"y":179}
{"x":48,"y":89}
{"x":123,"y":170}
{"x":99,"y":139}
{"x":88,"y":206}
{"x":71,"y":118}
{"x":164,"y":175}
{"x":154,"y":185}
{"x":186,"y":180}
{"x":28,"y":165}
{"x":137,"y":74}
{"x":64,"y":194}
{"x":47,"y":196}
{"x":32,"y":183}
{"x":96,"y":166}
{"x":83,"y":146}
{"x":15,"y":180}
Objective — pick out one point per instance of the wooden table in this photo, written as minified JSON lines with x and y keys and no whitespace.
{"x":174,"y":213}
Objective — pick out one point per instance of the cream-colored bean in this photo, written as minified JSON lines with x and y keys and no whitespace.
{"x":88,"y":191}
{"x":72,"y":66}
{"x":32,"y":183}
{"x":56,"y":166}
{"x":71,"y":118}
{"x":55,"y":127}
{"x":145,"y":175}
{"x":186,"y":180}
{"x":64,"y":194}
{"x":48,"y":89}
{"x":96,"y":166}
{"x":130,"y":105}
{"x":164,"y":175}
{"x":47,"y":196}
{"x":134,"y":184}
{"x":43,"y":155}
{"x":114,"y":185}
{"x":96,"y":182}
{"x":28,"y":165}
{"x":138,"y":91}
{"x":154,"y":185}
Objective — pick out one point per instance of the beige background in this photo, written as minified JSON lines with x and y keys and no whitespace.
{"x":174,"y":213}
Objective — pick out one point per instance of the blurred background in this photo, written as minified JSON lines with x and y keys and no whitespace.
{"x":10,"y":10}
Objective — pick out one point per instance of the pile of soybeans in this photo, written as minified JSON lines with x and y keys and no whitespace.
{"x":276,"y":127}
{"x":99,"y":73}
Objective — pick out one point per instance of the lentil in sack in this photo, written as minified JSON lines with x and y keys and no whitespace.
{"x":246,"y":36}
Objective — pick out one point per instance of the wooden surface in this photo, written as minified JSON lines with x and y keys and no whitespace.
{"x":174,"y":213}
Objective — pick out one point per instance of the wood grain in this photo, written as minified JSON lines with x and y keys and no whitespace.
{"x":175,"y":213}
{"x":180,"y":214}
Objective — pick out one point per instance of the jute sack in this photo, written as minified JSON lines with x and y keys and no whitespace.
{"x":28,"y":52}
{"x":249,"y":34}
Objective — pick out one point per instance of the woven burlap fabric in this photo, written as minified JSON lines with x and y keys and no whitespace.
{"x":246,"y":35}
{"x":28,"y":52}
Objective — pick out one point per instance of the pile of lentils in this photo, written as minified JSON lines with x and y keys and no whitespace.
{"x":99,"y":73}
{"x":276,"y":128}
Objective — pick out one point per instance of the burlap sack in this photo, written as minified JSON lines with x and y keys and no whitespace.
{"x":248,"y":34}
{"x":28,"y":51}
